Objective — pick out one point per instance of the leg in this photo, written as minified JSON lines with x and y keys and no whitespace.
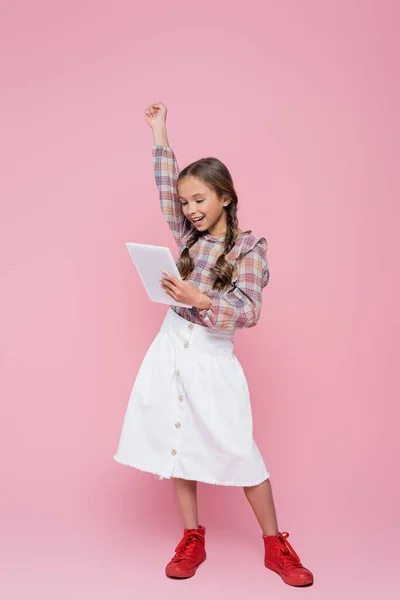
{"x":191,"y":550}
{"x":261,"y":501}
{"x":279,"y":555}
{"x":186,"y":495}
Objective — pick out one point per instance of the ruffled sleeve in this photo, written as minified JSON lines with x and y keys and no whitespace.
{"x":240,"y":305}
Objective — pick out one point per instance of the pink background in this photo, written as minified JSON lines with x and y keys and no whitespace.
{"x":301,"y":101}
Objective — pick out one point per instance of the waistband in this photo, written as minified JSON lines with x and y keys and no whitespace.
{"x":191,"y":336}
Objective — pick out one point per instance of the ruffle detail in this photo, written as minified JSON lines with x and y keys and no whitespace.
{"x":245,"y":242}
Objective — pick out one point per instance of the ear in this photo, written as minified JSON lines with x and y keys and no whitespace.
{"x":226,"y":201}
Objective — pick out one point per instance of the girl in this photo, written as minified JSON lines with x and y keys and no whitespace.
{"x":189,"y":415}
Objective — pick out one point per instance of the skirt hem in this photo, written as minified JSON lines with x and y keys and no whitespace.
{"x":159,"y":476}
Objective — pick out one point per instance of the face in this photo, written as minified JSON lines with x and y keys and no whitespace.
{"x":202,"y":206}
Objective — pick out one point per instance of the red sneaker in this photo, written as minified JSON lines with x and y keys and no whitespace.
{"x":189,"y":554}
{"x":281,"y":558}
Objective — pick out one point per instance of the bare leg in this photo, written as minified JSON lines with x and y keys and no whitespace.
{"x":262,"y":503}
{"x":186,"y":494}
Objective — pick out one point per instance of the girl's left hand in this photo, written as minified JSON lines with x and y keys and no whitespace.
{"x":184,"y":291}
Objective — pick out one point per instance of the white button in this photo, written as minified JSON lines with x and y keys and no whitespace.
{"x":178,"y":425}
{"x":186,"y":344}
{"x":173,"y":452}
{"x":190,"y":326}
{"x":180,"y":398}
{"x":177,"y":374}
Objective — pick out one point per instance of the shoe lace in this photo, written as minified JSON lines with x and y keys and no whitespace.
{"x":187,"y":545}
{"x":287,"y":557}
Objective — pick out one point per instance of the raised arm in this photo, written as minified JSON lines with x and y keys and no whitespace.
{"x":166,"y":173}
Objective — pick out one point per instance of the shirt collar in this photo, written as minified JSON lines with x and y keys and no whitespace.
{"x":214,"y":238}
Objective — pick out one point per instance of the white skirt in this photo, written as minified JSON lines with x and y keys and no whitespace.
{"x":189,"y":412}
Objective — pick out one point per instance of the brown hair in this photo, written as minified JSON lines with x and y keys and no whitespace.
{"x":216,"y":176}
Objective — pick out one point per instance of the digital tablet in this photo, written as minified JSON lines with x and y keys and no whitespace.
{"x":149,"y":262}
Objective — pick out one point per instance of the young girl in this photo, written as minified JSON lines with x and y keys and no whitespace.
{"x":189,"y":415}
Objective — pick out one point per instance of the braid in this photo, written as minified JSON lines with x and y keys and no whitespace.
{"x":223,"y":270}
{"x":186,"y":264}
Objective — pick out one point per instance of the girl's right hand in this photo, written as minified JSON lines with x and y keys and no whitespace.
{"x":156,"y":114}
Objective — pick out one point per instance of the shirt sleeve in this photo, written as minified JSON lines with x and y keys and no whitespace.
{"x":166,"y":173}
{"x":240,"y":306}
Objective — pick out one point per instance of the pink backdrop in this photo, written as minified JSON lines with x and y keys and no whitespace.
{"x":300,"y":100}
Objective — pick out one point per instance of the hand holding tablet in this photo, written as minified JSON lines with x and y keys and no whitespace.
{"x":150,"y":261}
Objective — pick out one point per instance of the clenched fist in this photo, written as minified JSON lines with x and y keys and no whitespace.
{"x":156,"y":114}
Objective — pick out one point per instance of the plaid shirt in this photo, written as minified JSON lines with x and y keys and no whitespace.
{"x":240,"y":304}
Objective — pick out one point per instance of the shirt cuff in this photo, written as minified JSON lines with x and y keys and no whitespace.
{"x":156,"y":146}
{"x":206,"y":314}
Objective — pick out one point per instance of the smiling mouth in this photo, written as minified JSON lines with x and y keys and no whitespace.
{"x":199,"y":220}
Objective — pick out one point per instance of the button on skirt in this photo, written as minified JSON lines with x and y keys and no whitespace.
{"x":189,"y":412}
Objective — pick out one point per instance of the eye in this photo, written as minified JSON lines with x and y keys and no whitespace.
{"x":198,"y":201}
{"x":183,"y":203}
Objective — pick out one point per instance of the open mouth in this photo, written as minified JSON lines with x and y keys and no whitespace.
{"x":199,"y":220}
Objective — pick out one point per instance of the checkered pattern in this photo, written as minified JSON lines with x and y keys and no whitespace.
{"x":240,"y":305}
